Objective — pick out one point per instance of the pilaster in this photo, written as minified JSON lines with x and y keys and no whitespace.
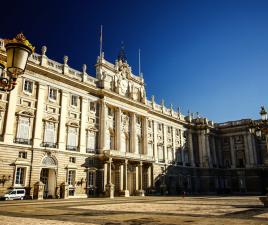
{"x":232,"y":152}
{"x":190,"y":146}
{"x":10,"y":116}
{"x":165,"y":143}
{"x":102,"y":136}
{"x":84,"y":110}
{"x":63,"y":115}
{"x":144,"y":134}
{"x":38,"y":126}
{"x":155,"y":141}
{"x":118,"y":128}
{"x":133,"y":133}
{"x":174,"y":142}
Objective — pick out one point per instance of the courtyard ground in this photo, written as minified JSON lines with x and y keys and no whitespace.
{"x":136,"y":211}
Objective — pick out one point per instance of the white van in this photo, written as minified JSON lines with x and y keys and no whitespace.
{"x":15,"y":194}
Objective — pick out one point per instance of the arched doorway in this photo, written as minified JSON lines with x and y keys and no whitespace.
{"x":48,"y":176}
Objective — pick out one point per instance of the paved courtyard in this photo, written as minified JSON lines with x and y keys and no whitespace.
{"x":136,"y":211}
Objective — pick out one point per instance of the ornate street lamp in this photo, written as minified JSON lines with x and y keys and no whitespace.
{"x":260,"y":128}
{"x":18,"y":51}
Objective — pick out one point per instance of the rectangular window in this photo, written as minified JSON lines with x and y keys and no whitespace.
{"x":91,"y":141}
{"x":23,"y":155}
{"x":72,"y":135}
{"x":110,"y":112}
{"x":74,"y":100}
{"x":49,"y":136}
{"x":52,"y":94}
{"x":160,"y":153}
{"x":23,"y":128}
{"x":71,"y":177}
{"x":92,"y":106}
{"x":28,"y":86}
{"x":72,"y":159}
{"x":20,"y":175}
{"x":91,"y":179}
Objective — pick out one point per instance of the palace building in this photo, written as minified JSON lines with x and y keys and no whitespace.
{"x":65,"y":133}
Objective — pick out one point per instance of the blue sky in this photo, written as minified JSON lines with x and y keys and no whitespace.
{"x":206,"y":56}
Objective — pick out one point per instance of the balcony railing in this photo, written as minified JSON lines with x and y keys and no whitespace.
{"x":90,"y":150}
{"x":49,"y":144}
{"x":71,"y":148}
{"x":23,"y":141}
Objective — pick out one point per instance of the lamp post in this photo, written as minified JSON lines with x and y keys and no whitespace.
{"x":18,"y":51}
{"x":260,"y":128}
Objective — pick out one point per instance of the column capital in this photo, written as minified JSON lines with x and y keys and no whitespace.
{"x":126,"y":161}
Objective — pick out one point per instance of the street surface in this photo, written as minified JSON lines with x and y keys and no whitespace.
{"x":136,"y":211}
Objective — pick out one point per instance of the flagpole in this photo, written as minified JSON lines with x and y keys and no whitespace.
{"x":101,"y":43}
{"x":139,"y":61}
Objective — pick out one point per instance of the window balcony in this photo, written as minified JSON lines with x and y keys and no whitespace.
{"x":23,"y":141}
{"x":71,"y":148}
{"x":90,"y":150}
{"x":49,"y":145}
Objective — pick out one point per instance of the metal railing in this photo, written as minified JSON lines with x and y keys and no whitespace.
{"x":71,"y":148}
{"x":90,"y":150}
{"x":23,"y":141}
{"x":49,"y":144}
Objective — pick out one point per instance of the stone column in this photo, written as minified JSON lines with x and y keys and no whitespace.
{"x":190,"y":146}
{"x":233,"y":152}
{"x":137,"y":178}
{"x":121,"y":177}
{"x":125,"y":191}
{"x":144,"y":135}
{"x":63,"y":115}
{"x":165,"y":143}
{"x":149,"y":176}
{"x":103,"y":114}
{"x":105,"y":175}
{"x":84,"y":110}
{"x":109,"y":186}
{"x":155,"y":141}
{"x":133,"y":133}
{"x":140,"y":178}
{"x":10,"y":116}
{"x":118,"y":128}
{"x":38,"y":126}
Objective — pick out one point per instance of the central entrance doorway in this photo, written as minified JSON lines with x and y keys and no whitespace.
{"x":48,"y":178}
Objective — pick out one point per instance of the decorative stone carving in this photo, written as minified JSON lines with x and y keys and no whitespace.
{"x":44,"y":50}
{"x":65,"y":59}
{"x":48,"y":161}
{"x":84,"y":68}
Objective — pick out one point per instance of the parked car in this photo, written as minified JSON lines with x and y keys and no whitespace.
{"x":14,"y":194}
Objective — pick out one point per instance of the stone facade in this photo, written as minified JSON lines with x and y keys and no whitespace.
{"x":64,"y":134}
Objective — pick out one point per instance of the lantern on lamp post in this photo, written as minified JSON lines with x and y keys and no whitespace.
{"x":18,"y":51}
